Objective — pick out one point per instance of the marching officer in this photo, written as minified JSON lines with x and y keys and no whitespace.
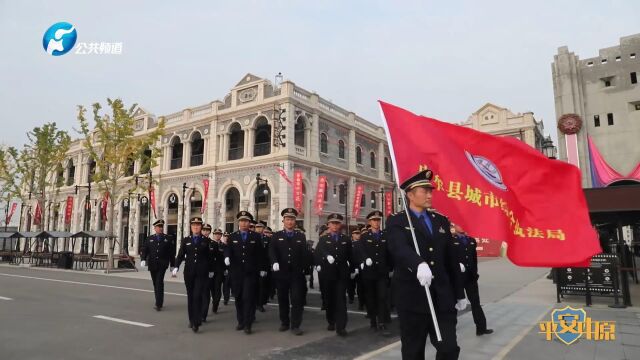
{"x":264,"y":285}
{"x":198,"y":269}
{"x":158,"y":252}
{"x":436,"y":268}
{"x":468,"y":259}
{"x":290,"y":260}
{"x":216,"y":258}
{"x":216,"y":286}
{"x":355,"y":285}
{"x":244,"y":254}
{"x":226,"y":285}
{"x":335,"y":268}
{"x":375,"y":266}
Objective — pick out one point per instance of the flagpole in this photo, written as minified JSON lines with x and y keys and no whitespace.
{"x":413,"y":233}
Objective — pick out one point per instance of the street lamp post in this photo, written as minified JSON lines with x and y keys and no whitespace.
{"x":548,"y":149}
{"x":381,"y":192}
{"x":84,"y":246}
{"x":265,"y":192}
{"x":184,"y":191}
{"x":346,"y":203}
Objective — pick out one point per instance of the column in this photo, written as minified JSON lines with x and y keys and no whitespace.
{"x":380,"y":160}
{"x":352,"y":150}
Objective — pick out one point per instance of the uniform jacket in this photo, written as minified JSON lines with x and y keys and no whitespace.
{"x":375,"y":248}
{"x":197,"y":257}
{"x":467,"y":256}
{"x":291,"y":253}
{"x":159,"y":251}
{"x":341,"y":250}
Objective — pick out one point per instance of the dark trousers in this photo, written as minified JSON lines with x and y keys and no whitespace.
{"x":311,"y":279}
{"x":216,"y":291}
{"x":291,"y":288}
{"x":226,"y":288}
{"x":335,"y":298}
{"x":473,"y":294}
{"x":377,"y":295}
{"x":245,"y":299}
{"x":415,"y":327}
{"x":157,"y":276}
{"x":264,"y":289}
{"x":356,"y":288}
{"x":196,"y":288}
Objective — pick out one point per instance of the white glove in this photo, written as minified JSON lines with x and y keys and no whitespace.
{"x":211,"y":275}
{"x":276,"y":267}
{"x":369,"y":262}
{"x":362,"y":266}
{"x":226,"y":272}
{"x":318,"y":268}
{"x":330,"y":259}
{"x":174,"y":272}
{"x":462,"y":268}
{"x":462,"y":304}
{"x":143,"y":263}
{"x":263,"y":273}
{"x":353,"y":274}
{"x":227,"y":261}
{"x":390,"y":273}
{"x":424,"y":274}
{"x":307,"y":277}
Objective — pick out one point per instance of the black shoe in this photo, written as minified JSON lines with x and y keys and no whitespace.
{"x":373,"y":326}
{"x":350,"y":301}
{"x":383,"y":330}
{"x":360,"y":307}
{"x":341,"y":332}
{"x":247,"y":330}
{"x":283,"y":328}
{"x":195,"y":329}
{"x":331,"y":327}
{"x":261,"y":308}
{"x":484,"y":332}
{"x":239,"y":327}
{"x":297,"y":331}
{"x":215,"y":311}
{"x":190,"y":325}
{"x":226,"y":302}
{"x":204,"y":320}
{"x":158,"y":308}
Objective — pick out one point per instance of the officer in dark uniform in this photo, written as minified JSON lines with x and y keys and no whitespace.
{"x":198,"y":269}
{"x":290,"y":260}
{"x":335,"y":267}
{"x":310,"y":271}
{"x":216,"y":258}
{"x":436,"y":268}
{"x":244,"y":254}
{"x":158,"y":252}
{"x":468,"y":259}
{"x":219,"y":276}
{"x":375,"y":266}
{"x":263,"y":282}
{"x":356,"y":286}
{"x":226,"y":285}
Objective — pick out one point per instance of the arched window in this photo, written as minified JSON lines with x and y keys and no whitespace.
{"x":236,"y":142}
{"x":197,"y":150}
{"x":372,"y":157}
{"x":196,"y":203}
{"x":342,"y":198}
{"x":386,"y":165}
{"x":374,"y":203}
{"x":299,"y":139}
{"x":363,"y":200}
{"x":358,"y":155}
{"x":324,"y":143}
{"x":172,"y":213}
{"x":71,"y":173}
{"x":232,"y":206}
{"x":341,"y":149}
{"x":59,"y":175}
{"x":326,"y":190}
{"x":176,"y":153}
{"x":262,"y":144}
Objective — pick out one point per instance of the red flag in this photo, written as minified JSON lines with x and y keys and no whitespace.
{"x":11,"y":212}
{"x":284,"y":175}
{"x":297,"y":190}
{"x":498,"y":188}
{"x":205,"y":184}
{"x":322,"y":188}
{"x":68,"y":211}
{"x":37,"y":217}
{"x":152,"y":200}
{"x":357,"y":199}
{"x":388,"y":203}
{"x":103,"y":206}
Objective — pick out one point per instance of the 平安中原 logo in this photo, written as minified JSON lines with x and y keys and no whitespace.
{"x":59,"y":38}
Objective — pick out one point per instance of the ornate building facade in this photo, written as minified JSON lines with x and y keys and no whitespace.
{"x":257,"y":129}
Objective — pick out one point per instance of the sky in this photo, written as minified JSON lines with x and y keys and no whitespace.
{"x":436,"y":58}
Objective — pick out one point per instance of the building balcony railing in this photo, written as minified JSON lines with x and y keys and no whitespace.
{"x":176,"y":163}
{"x":261,"y":149}
{"x":236,"y":153}
{"x":197,"y":160}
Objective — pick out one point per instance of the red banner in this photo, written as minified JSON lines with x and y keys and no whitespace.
{"x":205,"y":184}
{"x":11,"y":212}
{"x":37,"y":217}
{"x":357,"y":199}
{"x":283,"y":174}
{"x":497,"y":188}
{"x":68,"y":211}
{"x":322,"y":188}
{"x":388,"y":203}
{"x":103,"y":206}
{"x":297,"y":191}
{"x":152,"y":200}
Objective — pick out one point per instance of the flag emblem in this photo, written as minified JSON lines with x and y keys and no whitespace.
{"x":487,"y":169}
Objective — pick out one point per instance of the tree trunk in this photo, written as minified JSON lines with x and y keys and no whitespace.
{"x":110,"y":239}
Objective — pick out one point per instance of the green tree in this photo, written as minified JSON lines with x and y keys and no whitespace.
{"x":114,"y":146}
